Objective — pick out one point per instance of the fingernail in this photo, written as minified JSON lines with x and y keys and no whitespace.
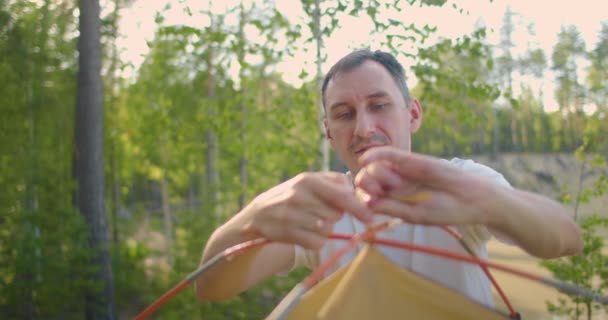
{"x":319,"y":224}
{"x":371,"y":201}
{"x":367,"y":219}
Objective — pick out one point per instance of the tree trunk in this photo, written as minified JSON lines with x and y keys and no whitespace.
{"x":115,"y":184}
{"x":88,"y":160}
{"x":514,"y":139}
{"x":164,"y":198}
{"x":212,"y":174}
{"x":324,"y":144}
{"x":167,"y":218}
{"x":211,"y":190}
{"x":191,"y":198}
{"x":525,"y":143}
{"x":495,"y":134}
{"x":115,"y":192}
{"x":29,"y":253}
{"x":243,"y":107}
{"x":481,"y":134}
{"x":563,"y":130}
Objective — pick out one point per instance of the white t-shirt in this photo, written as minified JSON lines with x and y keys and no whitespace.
{"x":466,"y":278}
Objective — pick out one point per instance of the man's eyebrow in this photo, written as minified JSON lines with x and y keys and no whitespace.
{"x":377,"y":94}
{"x":338,"y":104}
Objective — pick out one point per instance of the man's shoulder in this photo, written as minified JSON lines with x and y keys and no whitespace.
{"x":470,"y":166}
{"x":476,"y":168}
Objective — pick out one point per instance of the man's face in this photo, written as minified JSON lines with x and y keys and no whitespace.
{"x":366,"y":109}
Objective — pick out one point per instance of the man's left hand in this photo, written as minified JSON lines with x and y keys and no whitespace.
{"x":420,"y":189}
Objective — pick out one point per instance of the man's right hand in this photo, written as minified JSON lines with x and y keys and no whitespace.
{"x":303,"y":210}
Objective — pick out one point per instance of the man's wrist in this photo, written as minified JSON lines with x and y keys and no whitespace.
{"x":490,"y":199}
{"x":245,"y":224}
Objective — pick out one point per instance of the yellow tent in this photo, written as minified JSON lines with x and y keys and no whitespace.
{"x":372,"y":287}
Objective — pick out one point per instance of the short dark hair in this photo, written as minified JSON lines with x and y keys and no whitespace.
{"x":357,"y":58}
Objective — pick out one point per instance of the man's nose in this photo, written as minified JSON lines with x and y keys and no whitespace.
{"x":365,"y":126}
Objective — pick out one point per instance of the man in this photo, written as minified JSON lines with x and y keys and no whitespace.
{"x":370,"y":118}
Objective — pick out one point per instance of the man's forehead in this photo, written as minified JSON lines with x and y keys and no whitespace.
{"x":368,"y":80}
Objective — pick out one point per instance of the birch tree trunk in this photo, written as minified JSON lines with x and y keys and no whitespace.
{"x":211,"y":192}
{"x":324,"y":144}
{"x":243,"y":110}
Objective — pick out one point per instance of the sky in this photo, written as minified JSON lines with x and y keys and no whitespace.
{"x":137,"y":26}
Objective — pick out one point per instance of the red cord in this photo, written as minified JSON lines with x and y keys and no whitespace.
{"x":239,"y":248}
{"x":234,"y":250}
{"x":367,"y":235}
{"x":446,"y":254}
{"x":353,"y":241}
{"x":485,"y":269}
{"x":332,"y":260}
{"x":165,"y":297}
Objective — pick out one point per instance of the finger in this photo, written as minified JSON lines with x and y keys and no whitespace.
{"x":336,"y":192}
{"x":306,"y":220}
{"x":409,"y":213}
{"x":306,"y":239}
{"x":319,"y":208}
{"x":377,"y":178}
{"x":341,"y":197}
{"x":338,"y":178}
{"x":324,"y":228}
{"x":389,"y":154}
{"x":365,"y":197}
{"x":418,"y":168}
{"x":317,"y":224}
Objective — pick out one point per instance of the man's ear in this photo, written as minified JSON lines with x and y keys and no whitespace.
{"x":415,"y":115}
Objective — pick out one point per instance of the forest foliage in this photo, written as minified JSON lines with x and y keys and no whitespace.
{"x":209,"y":121}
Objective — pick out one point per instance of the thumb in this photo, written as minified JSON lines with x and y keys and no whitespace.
{"x":341,"y":179}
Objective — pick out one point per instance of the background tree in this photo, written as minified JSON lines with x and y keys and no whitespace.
{"x":455,"y":86}
{"x":38,"y":66}
{"x":588,"y":269}
{"x":597,"y":84}
{"x":88,"y":159}
{"x":569,"y":95}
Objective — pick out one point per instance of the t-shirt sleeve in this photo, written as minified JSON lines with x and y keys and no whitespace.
{"x":479,"y":169}
{"x":305,"y":258}
{"x":302,"y":258}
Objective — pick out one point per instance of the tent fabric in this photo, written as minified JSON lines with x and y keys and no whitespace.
{"x":371,"y":287}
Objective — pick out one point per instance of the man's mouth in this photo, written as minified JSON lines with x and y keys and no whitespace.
{"x":359,"y":146}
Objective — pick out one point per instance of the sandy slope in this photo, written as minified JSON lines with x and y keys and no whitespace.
{"x":527,"y":297}
{"x":552,"y":175}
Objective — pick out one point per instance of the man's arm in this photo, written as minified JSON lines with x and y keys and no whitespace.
{"x":301,"y":211}
{"x":246,"y":270}
{"x":537,"y":224}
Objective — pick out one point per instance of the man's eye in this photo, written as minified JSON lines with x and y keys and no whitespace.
{"x":379,"y":106}
{"x":345,"y":115}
